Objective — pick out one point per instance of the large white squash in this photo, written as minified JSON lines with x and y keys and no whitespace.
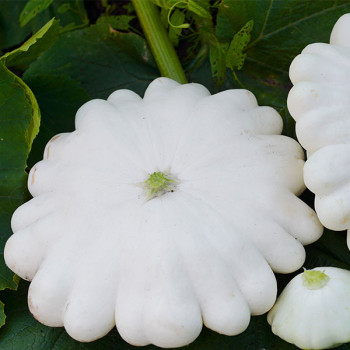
{"x":320,"y":104}
{"x":161,"y":213}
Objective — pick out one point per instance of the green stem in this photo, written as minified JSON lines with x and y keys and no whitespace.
{"x":163,"y":52}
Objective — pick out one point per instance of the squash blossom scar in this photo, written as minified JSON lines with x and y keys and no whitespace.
{"x":159,"y":183}
{"x":314,"y":279}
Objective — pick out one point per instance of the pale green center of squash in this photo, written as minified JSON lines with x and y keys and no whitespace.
{"x":158,"y":184}
{"x":314,"y":279}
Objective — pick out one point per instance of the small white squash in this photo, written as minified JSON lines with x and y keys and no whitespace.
{"x":158,"y":214}
{"x":320,"y":104}
{"x":313,"y":311}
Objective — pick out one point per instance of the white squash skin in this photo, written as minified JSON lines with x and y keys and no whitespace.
{"x":342,"y":27}
{"x":320,"y":104}
{"x":314,"y":319}
{"x":159,"y":268}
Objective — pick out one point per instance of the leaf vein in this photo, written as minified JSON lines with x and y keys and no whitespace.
{"x":315,"y":14}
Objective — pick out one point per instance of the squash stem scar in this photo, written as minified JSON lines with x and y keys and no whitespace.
{"x":159,"y":183}
{"x":314,"y":279}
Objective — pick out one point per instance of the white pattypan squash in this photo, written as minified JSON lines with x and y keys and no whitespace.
{"x":313,"y":311}
{"x":320,"y":104}
{"x":158,"y":214}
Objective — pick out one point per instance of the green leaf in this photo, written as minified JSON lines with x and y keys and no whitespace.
{"x":128,"y":7}
{"x":2,"y":314}
{"x":117,"y":22}
{"x":282,"y":28}
{"x":33,"y":47}
{"x":100,"y":58}
{"x":177,"y":21}
{"x":59,"y":98}
{"x":11,"y":33}
{"x":74,"y":11}
{"x":107,"y":7}
{"x":31,"y":9}
{"x":235,"y":56}
{"x":217,"y":55}
{"x":19,"y":124}
{"x":71,"y":14}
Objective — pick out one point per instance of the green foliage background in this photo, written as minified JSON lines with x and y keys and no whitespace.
{"x":78,"y":57}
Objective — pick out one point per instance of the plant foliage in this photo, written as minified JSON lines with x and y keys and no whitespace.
{"x":49,"y":67}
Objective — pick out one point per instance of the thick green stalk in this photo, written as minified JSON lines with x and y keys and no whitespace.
{"x":163,"y":52}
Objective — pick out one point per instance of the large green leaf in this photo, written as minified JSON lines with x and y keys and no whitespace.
{"x":59,"y":98}
{"x":11,"y":33}
{"x":117,"y":22}
{"x":282,"y":28}
{"x":31,"y":9}
{"x":100,"y":58}
{"x":19,"y":124}
{"x":33,"y":47}
{"x":70,"y":13}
